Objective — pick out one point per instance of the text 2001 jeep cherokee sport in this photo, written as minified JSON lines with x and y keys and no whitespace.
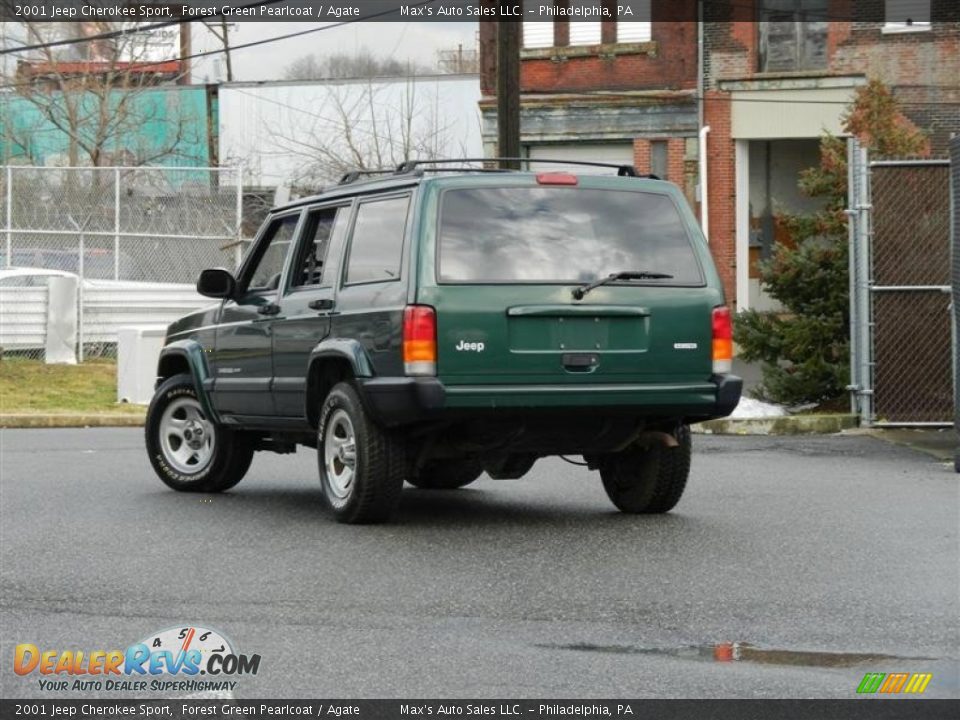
{"x":429,"y":327}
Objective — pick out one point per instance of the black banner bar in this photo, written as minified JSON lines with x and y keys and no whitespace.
{"x":442,"y":10}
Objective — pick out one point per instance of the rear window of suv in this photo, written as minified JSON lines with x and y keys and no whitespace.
{"x":561,"y":235}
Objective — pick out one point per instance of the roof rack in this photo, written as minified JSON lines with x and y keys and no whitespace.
{"x":352,"y":176}
{"x":622,"y":170}
{"x":409,"y":167}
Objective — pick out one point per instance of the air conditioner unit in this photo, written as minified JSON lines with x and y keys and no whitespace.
{"x":138,"y":350}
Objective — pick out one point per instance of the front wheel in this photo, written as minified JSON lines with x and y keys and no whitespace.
{"x":188,"y":451}
{"x":361,"y":464}
{"x":648,"y":480}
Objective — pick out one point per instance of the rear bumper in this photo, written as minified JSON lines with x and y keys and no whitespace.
{"x":402,"y":401}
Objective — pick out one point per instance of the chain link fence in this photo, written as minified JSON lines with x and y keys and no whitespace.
{"x":135,"y":237}
{"x":901,"y":346}
{"x":955,"y":251}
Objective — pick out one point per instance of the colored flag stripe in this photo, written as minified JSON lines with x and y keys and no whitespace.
{"x":893,"y":683}
{"x":870,"y":682}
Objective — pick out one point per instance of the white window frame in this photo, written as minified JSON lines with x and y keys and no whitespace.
{"x":901,"y":26}
{"x":537,"y":33}
{"x":639,"y":29}
{"x":639,"y":32}
{"x":583,"y":32}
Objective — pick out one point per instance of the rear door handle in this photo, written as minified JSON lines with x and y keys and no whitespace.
{"x":321,"y":304}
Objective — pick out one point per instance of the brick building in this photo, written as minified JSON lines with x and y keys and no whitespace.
{"x":775,"y":74}
{"x":623,"y":92}
{"x":779,"y":73}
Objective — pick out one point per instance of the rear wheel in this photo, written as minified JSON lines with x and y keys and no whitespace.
{"x":361,"y":464}
{"x":188,"y":451}
{"x":648,"y":480}
{"x":447,"y":474}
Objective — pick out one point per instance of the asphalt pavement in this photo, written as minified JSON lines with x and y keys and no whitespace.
{"x":792,"y":567}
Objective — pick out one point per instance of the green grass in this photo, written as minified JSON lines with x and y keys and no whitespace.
{"x":29,"y":386}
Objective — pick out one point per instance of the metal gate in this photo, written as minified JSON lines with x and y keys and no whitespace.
{"x":902,"y":354}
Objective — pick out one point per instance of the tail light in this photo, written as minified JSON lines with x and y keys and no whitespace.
{"x":419,"y":340}
{"x":722,"y":340}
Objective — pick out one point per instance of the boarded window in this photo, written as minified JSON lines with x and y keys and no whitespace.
{"x":658,"y":159}
{"x":907,"y":14}
{"x":793,"y":35}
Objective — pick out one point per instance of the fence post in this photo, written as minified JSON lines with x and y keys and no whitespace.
{"x":238,"y":252}
{"x":116,"y":223}
{"x":80,"y":315}
{"x":853,"y":218}
{"x":861,"y":310}
{"x":865,"y":283}
{"x":9,"y":216}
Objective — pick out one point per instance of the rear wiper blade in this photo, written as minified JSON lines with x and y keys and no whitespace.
{"x":579,"y":292}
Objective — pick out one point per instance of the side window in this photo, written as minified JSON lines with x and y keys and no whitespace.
{"x":377,"y":246}
{"x":267,"y":268}
{"x":324,"y":229}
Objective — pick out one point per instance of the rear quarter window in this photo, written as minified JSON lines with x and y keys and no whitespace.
{"x":562,"y":235}
{"x":376,"y":249}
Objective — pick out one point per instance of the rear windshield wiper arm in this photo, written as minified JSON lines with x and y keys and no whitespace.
{"x":579,"y":292}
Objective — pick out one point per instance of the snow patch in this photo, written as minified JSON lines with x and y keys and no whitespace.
{"x":751,"y":408}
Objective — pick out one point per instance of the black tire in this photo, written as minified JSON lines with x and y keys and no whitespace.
{"x":230,"y":457}
{"x":447,"y":474}
{"x":372,"y":491}
{"x":648,"y":480}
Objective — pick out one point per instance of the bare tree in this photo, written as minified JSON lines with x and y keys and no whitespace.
{"x":366,"y":126}
{"x":97,"y":94}
{"x":361,"y":64}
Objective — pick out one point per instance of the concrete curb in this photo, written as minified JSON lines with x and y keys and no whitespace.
{"x":785,"y":425}
{"x":38,"y":420}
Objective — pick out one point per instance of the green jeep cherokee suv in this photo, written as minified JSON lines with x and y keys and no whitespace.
{"x":431,"y":326}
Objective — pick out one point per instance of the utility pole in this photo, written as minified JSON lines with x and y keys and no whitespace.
{"x":508,"y":92}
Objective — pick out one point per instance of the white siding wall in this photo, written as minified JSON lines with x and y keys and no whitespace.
{"x":269,"y":128}
{"x":107,"y":306}
{"x":23,"y":317}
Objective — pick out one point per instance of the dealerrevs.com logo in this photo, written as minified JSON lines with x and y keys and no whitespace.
{"x":168,"y":661}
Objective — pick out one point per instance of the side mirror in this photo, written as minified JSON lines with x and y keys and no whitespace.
{"x":216,"y":283}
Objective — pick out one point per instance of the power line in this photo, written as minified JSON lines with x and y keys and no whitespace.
{"x":253,"y":43}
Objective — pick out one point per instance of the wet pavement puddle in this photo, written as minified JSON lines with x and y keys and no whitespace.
{"x":742,"y":652}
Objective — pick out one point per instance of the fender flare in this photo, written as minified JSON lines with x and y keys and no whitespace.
{"x":341,"y":349}
{"x":196,"y":359}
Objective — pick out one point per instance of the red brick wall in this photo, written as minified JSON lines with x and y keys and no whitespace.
{"x":669,"y":62}
{"x":675,"y":166}
{"x":641,"y":156}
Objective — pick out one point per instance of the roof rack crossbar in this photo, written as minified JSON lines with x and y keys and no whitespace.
{"x":353,"y":175}
{"x":622,"y":170}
